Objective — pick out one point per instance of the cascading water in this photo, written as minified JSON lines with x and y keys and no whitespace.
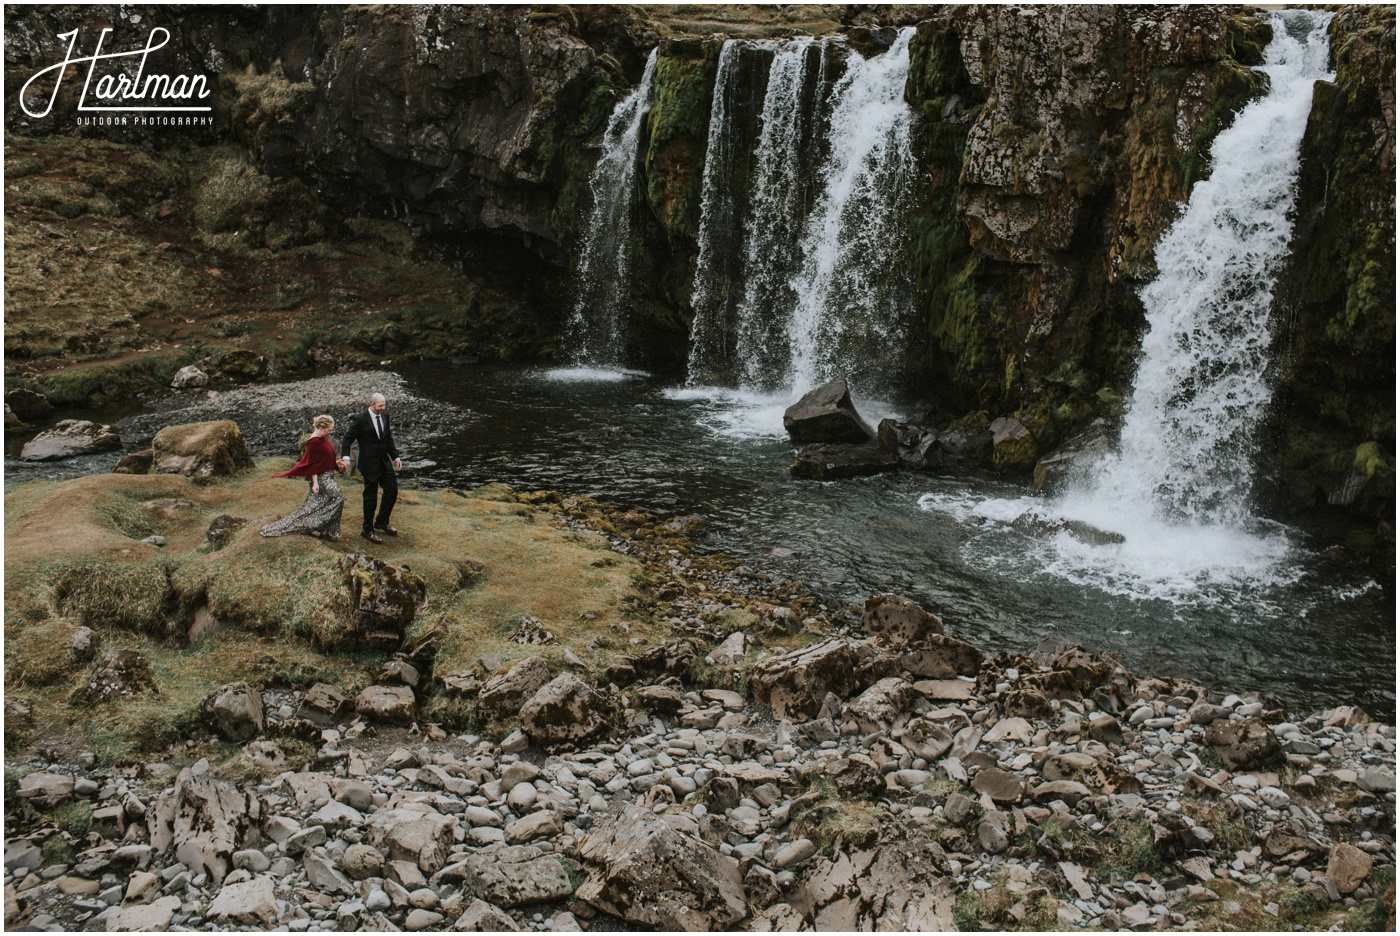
{"x":820,"y":287}
{"x":776,"y":212}
{"x":598,"y":328}
{"x":1178,"y":491}
{"x":710,"y":294}
{"x":854,"y":293}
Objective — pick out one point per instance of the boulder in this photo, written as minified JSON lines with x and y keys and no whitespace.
{"x":1245,"y":744}
{"x":135,"y":463}
{"x":82,"y":646}
{"x":153,"y":917}
{"x":504,"y":694}
{"x":29,"y":406}
{"x":898,"y":620}
{"x":1059,"y":469}
{"x":1347,"y":867}
{"x":413,"y":832}
{"x":912,"y":446}
{"x":223,"y":528}
{"x":796,"y":683}
{"x":206,"y":820}
{"x":1000,"y":785}
{"x":482,"y":917}
{"x":384,"y":599}
{"x":236,"y":711}
{"x":189,"y":377}
{"x":392,"y":704}
{"x":323,"y":704}
{"x":925,"y":739}
{"x":647,"y":873}
{"x":877,"y":708}
{"x":46,"y":790}
{"x":249,"y":902}
{"x":241,"y":364}
{"x":565,"y":711}
{"x":826,"y":414}
{"x":201,"y":450}
{"x":832,"y":461}
{"x":122,"y":673}
{"x":940,"y":657}
{"x":511,"y":875}
{"x":661,"y":699}
{"x":70,"y":438}
{"x":731,"y":650}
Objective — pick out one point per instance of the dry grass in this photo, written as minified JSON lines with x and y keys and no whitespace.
{"x":73,"y":557}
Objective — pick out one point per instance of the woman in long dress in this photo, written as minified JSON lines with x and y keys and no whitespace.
{"x":319,"y":515}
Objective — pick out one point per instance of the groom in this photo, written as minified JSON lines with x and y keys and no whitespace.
{"x":379,"y":460}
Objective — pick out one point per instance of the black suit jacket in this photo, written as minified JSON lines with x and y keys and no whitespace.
{"x":376,"y":455}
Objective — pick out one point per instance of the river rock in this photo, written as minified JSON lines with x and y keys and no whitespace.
{"x":1001,"y":786}
{"x":323,"y":704}
{"x":189,"y":377}
{"x":482,"y":917}
{"x":70,"y":438}
{"x":123,"y":672}
{"x":832,"y":461}
{"x":565,"y":711}
{"x":394,"y":705}
{"x":235,"y":711}
{"x":1057,"y":470}
{"x":1245,"y":744}
{"x":898,"y":620}
{"x":505,"y":693}
{"x":201,"y":450}
{"x":795,"y":684}
{"x":826,"y":414}
{"x":661,"y":699}
{"x":731,"y":650}
{"x":646,"y":872}
{"x":914,"y":447}
{"x":511,"y":875}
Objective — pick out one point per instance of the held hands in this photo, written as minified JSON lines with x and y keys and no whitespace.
{"x":398,"y":465}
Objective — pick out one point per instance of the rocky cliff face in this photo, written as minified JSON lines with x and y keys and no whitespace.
{"x":1059,"y":144}
{"x":1334,"y":439}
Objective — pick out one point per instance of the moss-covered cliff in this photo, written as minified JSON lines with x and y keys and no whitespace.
{"x":1334,"y":438}
{"x":1059,"y":143}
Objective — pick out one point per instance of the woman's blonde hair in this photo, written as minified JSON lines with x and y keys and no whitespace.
{"x":323,"y":421}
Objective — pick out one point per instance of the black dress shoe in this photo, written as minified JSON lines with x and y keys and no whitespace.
{"x":388,"y":530}
{"x":371,"y":536}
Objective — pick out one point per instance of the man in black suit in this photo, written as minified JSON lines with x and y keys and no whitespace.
{"x":379,"y":460}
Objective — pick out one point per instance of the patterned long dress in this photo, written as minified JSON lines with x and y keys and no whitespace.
{"x":319,"y":514}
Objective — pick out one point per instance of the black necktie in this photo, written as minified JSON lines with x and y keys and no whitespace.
{"x":378,"y":429}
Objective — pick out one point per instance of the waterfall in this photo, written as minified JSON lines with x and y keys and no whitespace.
{"x":1203,"y":385}
{"x":801,"y":276}
{"x":854,"y":292}
{"x":598,"y":328}
{"x":710,"y":294}
{"x":776,"y":212}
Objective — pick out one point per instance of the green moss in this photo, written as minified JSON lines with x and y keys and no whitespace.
{"x":96,"y":385}
{"x":677,"y":132}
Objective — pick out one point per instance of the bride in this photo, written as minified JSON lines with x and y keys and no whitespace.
{"x":319,"y":515}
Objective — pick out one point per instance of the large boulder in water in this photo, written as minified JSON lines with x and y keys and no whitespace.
{"x":912,"y":446}
{"x":836,"y":460}
{"x":1072,"y":460}
{"x":826,"y":414}
{"x":200,"y":450}
{"x":70,"y":438}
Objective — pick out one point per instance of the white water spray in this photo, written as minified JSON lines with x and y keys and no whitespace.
{"x":598,"y":328}
{"x":854,"y":291}
{"x":1178,"y":491}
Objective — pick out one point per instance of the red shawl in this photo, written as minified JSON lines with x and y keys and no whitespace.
{"x":318,"y":458}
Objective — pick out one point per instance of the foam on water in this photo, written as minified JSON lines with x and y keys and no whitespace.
{"x":592,"y":374}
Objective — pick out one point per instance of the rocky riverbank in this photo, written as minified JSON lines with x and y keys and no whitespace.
{"x":650,"y":738}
